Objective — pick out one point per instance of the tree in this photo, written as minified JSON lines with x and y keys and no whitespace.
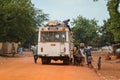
{"x":40,"y":18}
{"x":84,"y":30}
{"x":19,"y":20}
{"x":107,"y":35}
{"x":113,"y":23}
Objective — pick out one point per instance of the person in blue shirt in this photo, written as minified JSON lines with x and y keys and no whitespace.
{"x":88,"y":53}
{"x":20,"y":50}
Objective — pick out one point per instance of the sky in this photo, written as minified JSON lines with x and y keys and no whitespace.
{"x":70,"y":9}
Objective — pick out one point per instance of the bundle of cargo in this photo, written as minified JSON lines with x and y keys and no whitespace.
{"x":82,"y":45}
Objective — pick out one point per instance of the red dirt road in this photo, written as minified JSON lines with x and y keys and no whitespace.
{"x":23,"y":68}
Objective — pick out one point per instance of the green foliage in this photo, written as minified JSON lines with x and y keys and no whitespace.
{"x":84,"y":30}
{"x":19,"y":20}
{"x":114,"y":21}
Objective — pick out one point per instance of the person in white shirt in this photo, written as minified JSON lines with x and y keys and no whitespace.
{"x":80,"y":54}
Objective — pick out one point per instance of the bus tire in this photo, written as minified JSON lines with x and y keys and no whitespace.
{"x":46,"y":60}
{"x":66,"y":61}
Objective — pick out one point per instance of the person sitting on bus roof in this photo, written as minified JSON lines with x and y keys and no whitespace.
{"x":66,"y":23}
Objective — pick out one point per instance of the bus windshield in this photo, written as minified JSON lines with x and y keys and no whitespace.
{"x":53,"y":36}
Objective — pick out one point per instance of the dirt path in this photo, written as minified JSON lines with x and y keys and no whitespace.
{"x":23,"y":68}
{"x":110,"y":69}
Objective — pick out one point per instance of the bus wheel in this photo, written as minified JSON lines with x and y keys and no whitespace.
{"x":43,"y":60}
{"x":66,"y":61}
{"x":46,"y":61}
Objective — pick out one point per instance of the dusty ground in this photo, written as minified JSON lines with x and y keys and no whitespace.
{"x":21,"y":67}
{"x":110,"y":68}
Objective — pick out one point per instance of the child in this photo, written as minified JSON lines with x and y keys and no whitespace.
{"x":99,"y":63}
{"x":90,"y":59}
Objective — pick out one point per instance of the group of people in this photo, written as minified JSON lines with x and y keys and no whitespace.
{"x":82,"y":55}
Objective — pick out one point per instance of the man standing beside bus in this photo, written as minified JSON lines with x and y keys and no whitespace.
{"x":34,"y":50}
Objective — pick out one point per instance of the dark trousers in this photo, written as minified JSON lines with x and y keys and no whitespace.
{"x":35,"y":58}
{"x":99,"y":66}
{"x":75,"y":59}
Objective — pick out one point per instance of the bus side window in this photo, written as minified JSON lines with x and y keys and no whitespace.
{"x":51,"y":36}
{"x":44,"y":36}
{"x":57,"y":37}
{"x":63,"y":36}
